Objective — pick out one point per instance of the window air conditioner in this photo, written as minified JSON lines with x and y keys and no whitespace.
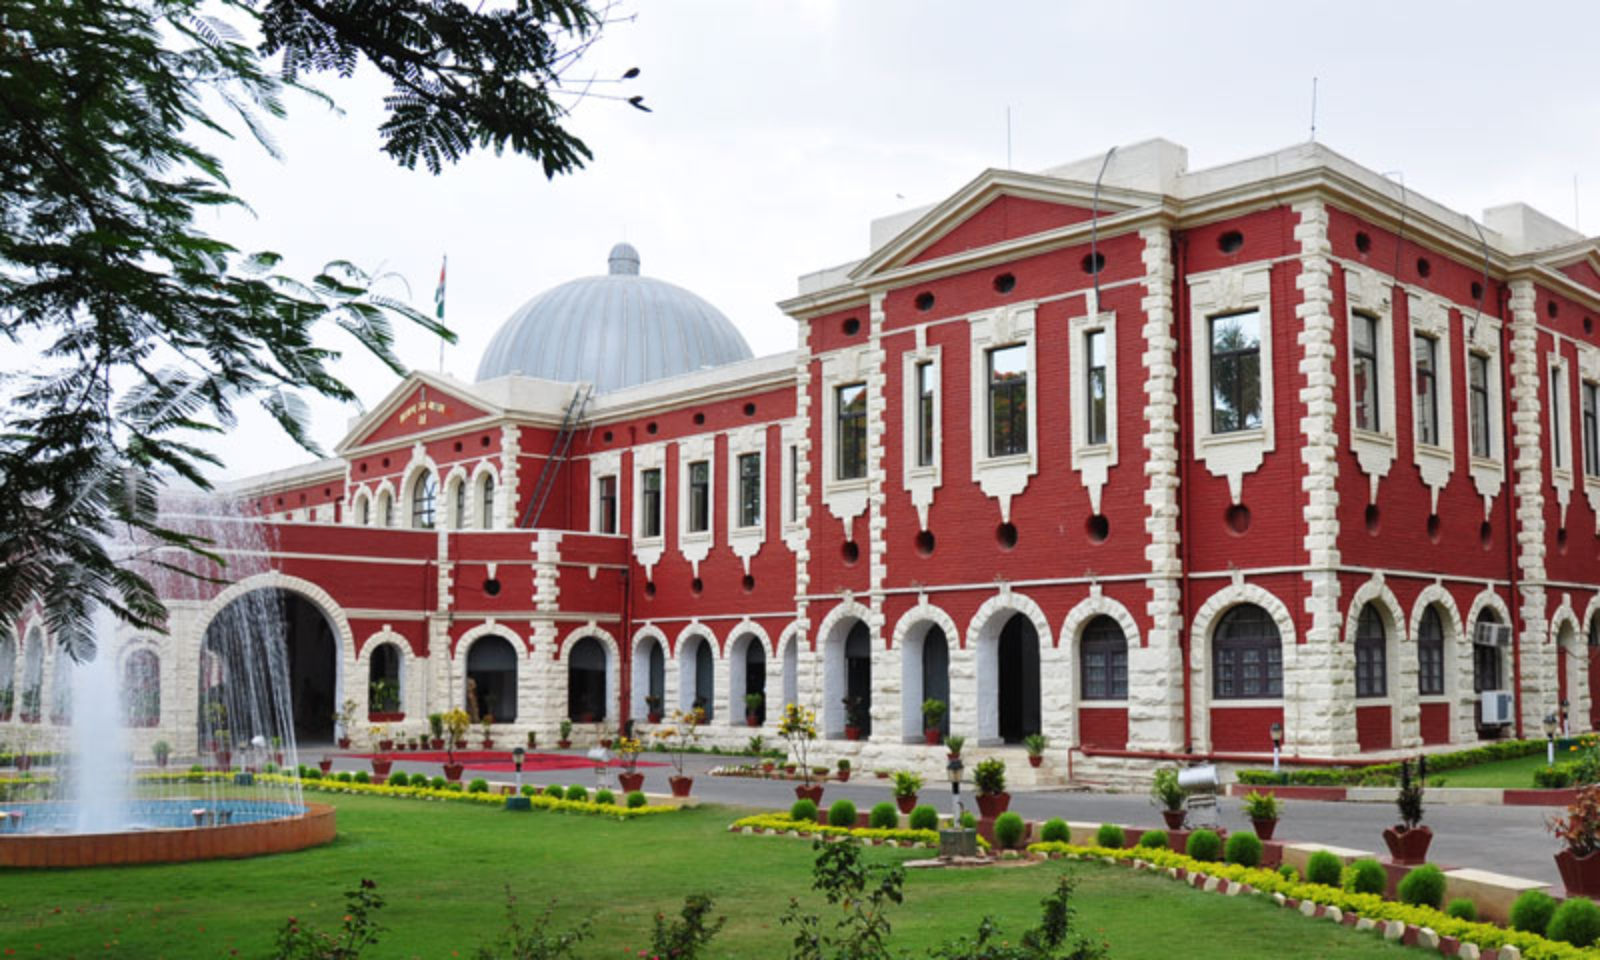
{"x":1492,"y":634}
{"x":1495,"y":707}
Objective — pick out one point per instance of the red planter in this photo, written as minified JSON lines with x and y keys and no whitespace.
{"x":1174,"y":818}
{"x":1580,"y":874}
{"x":844,"y":776}
{"x":852,"y":733}
{"x":381,"y":765}
{"x":224,"y":760}
{"x":325,"y":765}
{"x":436,"y":743}
{"x":563,"y":744}
{"x":344,"y":743}
{"x":277,"y":758}
{"x":752,"y":720}
{"x":488,"y":744}
{"x":767,"y":767}
{"x":906,"y":804}
{"x":1035,"y":760}
{"x":384,"y":746}
{"x":681,"y":785}
{"x":812,"y":792}
{"x":452,"y":772}
{"x":652,"y":718}
{"x":631,"y":781}
{"x":932,"y":736}
{"x":991,"y":805}
{"x":1408,"y":846}
{"x":1264,"y":828}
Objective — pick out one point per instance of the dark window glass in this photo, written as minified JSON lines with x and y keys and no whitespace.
{"x":1430,"y":654}
{"x":1094,"y":361}
{"x":424,"y":502}
{"x":699,"y":497}
{"x":1247,"y":655}
{"x":1364,"y":357}
{"x":1591,"y":430}
{"x":851,"y":406}
{"x":1478,"y":403}
{"x":1426,"y":358}
{"x":608,"y":504}
{"x":486,"y":522}
{"x":1008,"y":400}
{"x":1372,"y":664}
{"x":1236,"y":372}
{"x":749,"y":489}
{"x":459,"y":521}
{"x":925,"y":402}
{"x":650,"y":502}
{"x":794,"y":484}
{"x":1485,"y":659}
{"x":1558,"y":430}
{"x":1105,"y":660}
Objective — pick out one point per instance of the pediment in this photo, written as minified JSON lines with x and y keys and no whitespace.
{"x":422,"y":403}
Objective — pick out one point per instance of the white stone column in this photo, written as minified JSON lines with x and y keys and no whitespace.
{"x":1539,"y":689}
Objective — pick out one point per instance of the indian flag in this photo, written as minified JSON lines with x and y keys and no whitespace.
{"x":438,"y":295}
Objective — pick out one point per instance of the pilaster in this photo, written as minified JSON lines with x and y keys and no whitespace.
{"x":1539,"y":689}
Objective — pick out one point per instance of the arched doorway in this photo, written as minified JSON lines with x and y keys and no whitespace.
{"x":925,"y":675}
{"x":586,"y":681}
{"x":649,"y":679}
{"x":747,"y":677}
{"x":383,"y":680}
{"x":858,"y":679}
{"x":697,"y":677}
{"x":492,"y":679}
{"x":1594,"y":671}
{"x":1017,"y":669}
{"x":269,"y":665}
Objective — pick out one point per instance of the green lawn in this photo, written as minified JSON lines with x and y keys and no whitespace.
{"x":1516,"y":773}
{"x":444,"y":869}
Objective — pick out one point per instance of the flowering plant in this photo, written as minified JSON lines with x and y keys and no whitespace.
{"x":1579,"y":829}
{"x":799,"y":727}
{"x":683,"y":734}
{"x":628,"y":750}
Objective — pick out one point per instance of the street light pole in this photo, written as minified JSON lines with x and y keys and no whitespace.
{"x":1551,"y":724}
{"x":953,"y":771}
{"x":1277,"y":747}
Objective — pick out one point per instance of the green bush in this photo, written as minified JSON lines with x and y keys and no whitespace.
{"x":1532,"y":911}
{"x":969,"y":821}
{"x":345,"y":777}
{"x":1155,"y":839}
{"x":1110,"y":835}
{"x":397,"y":780}
{"x":1553,"y":778}
{"x":437,"y":783}
{"x":803,"y":810}
{"x":478,"y":785}
{"x":577,"y":792}
{"x":605,"y":798}
{"x":196,"y":768}
{"x":1244,"y":848}
{"x":556,"y":791}
{"x":884,"y":816}
{"x":1462,"y":909}
{"x":1055,"y":830}
{"x":1422,"y":887}
{"x":453,"y":787}
{"x":530,"y":790}
{"x":1288,"y":873}
{"x":842,"y":814}
{"x":1205,"y":845}
{"x":363,"y":776}
{"x":1576,"y":921}
{"x":312,"y":774}
{"x":1366,"y":876}
{"x":1324,"y":868}
{"x":1008,"y":830}
{"x":924,"y":817}
{"x":637,"y":799}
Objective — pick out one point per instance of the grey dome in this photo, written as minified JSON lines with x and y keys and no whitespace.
{"x":613,"y":331}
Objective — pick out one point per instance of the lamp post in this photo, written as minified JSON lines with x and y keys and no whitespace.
{"x":953,"y":771}
{"x":1277,"y":746}
{"x":1566,"y":718}
{"x":1551,"y":724}
{"x":517,"y":754}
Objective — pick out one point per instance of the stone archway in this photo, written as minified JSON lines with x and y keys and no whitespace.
{"x":270,"y":662}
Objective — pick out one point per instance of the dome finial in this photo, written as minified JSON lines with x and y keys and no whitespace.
{"x":624,"y":260}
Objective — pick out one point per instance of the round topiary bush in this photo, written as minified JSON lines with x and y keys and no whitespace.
{"x":1422,"y":887}
{"x":437,"y":783}
{"x":1532,"y":911}
{"x":1288,"y":873}
{"x":969,"y":821}
{"x":924,"y":817}
{"x":1324,"y":868}
{"x":478,"y":785}
{"x":1462,"y":909}
{"x":345,"y":777}
{"x":1110,"y":836}
{"x":363,"y":776}
{"x":1244,"y":848}
{"x":1366,"y":876}
{"x":842,"y":814}
{"x":529,"y":790}
{"x":637,"y":799}
{"x":1008,"y":828}
{"x":1153,"y":839}
{"x":1205,"y":845}
{"x":556,"y":792}
{"x":605,"y":798}
{"x":884,"y":816}
{"x":312,"y":774}
{"x":1055,"y":830}
{"x":577,"y":792}
{"x":1577,"y":921}
{"x":804,"y":810}
{"x":397,"y":780}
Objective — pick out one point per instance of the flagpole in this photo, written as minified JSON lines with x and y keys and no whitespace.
{"x":438,"y":305}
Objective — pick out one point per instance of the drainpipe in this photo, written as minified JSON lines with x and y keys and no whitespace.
{"x":1511,"y":495}
{"x":1181,"y":383}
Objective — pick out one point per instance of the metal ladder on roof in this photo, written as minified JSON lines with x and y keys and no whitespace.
{"x":558,"y":455}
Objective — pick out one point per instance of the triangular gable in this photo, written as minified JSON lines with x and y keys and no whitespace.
{"x":420,"y":404}
{"x":1004,"y":218}
{"x":1585,"y":271}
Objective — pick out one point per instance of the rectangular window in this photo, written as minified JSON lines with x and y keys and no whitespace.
{"x":1591,"y":431}
{"x":608,"y":504}
{"x":699,"y":496}
{"x":1371,"y":670}
{"x":1364,"y":356}
{"x":925,"y":402}
{"x":851,"y":412}
{"x":749,"y":489}
{"x":1485,"y":667}
{"x":1008,"y":400}
{"x":1105,"y":674}
{"x":1430,"y":677}
{"x":650,"y":502}
{"x":1094,"y":361}
{"x":1247,"y":673}
{"x":1478,"y":403}
{"x":1558,"y":429}
{"x":1236,"y":372}
{"x":1425,"y":352}
{"x":794,"y":484}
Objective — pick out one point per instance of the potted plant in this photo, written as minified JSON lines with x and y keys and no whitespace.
{"x":565,"y":739}
{"x":383,"y":698}
{"x":1035,"y":743}
{"x":345,"y":718}
{"x":412,"y":744}
{"x":952,"y":747}
{"x":325,"y":764}
{"x":683,"y":734}
{"x":752,"y":709}
{"x":799,"y":728}
{"x":277,"y":750}
{"x":989,"y":777}
{"x":652,"y":709}
{"x":1408,"y":840}
{"x":906,"y":787}
{"x":380,"y":768}
{"x":844,"y":769}
{"x":488,"y":734}
{"x":628,"y":750}
{"x":161,"y":749}
{"x":457,"y":723}
{"x":767,"y":765}
{"x":436,"y":728}
{"x":1168,"y":795}
{"x":933,"y":711}
{"x":854,"y":717}
{"x":533,"y":740}
{"x":1262,"y":809}
{"x":380,"y":736}
{"x":1579,"y":832}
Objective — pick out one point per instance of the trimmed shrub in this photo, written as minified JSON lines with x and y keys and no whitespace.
{"x":1422,"y":887}
{"x":803,"y":809}
{"x":1366,"y":876}
{"x":1244,"y":848}
{"x":363,"y":776}
{"x":529,"y":790}
{"x":1324,"y":868}
{"x":1205,"y":845}
{"x":478,"y":785}
{"x":1055,"y":830}
{"x":1008,"y":829}
{"x":1553,"y":778}
{"x":556,"y":791}
{"x":969,"y":821}
{"x":842,"y":814}
{"x":1153,"y":839}
{"x":312,"y":774}
{"x":1576,"y":921}
{"x":345,"y":777}
{"x":1462,"y":909}
{"x":637,"y":799}
{"x":437,"y":783}
{"x":1288,"y":873}
{"x":1110,"y":835}
{"x":1532,"y":911}
{"x":924,"y":817}
{"x":605,"y":798}
{"x":398,"y":780}
{"x":577,"y":792}
{"x":884,"y":816}
{"x":452,"y":787}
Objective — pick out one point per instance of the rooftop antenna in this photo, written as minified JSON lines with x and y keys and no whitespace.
{"x":1313,"y":109}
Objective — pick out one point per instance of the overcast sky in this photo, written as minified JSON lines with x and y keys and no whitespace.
{"x":781,"y":128}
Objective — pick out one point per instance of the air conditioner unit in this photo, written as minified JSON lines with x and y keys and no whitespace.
{"x":1495,"y":707}
{"x":1492,"y":634}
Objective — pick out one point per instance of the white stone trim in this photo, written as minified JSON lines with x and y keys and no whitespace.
{"x":1002,"y":478}
{"x":786,"y":661}
{"x":1429,"y":315}
{"x":1155,"y":721}
{"x":1457,"y":658}
{"x":909,"y":633}
{"x":452,"y":482}
{"x":845,"y":499}
{"x":1487,"y":598}
{"x":791,"y":485}
{"x":647,"y":550}
{"x":384,"y":506}
{"x":746,"y":542}
{"x":692,"y":546}
{"x":1214,"y":293}
{"x":1400,"y":664}
{"x":475,"y":494}
{"x":505,"y":504}
{"x":1369,"y":294}
{"x":977,"y":707}
{"x":1488,"y":473}
{"x":640,"y":661}
{"x":685,"y":651}
{"x":1200,"y":630}
{"x":1070,"y":639}
{"x":360,"y":502}
{"x":1092,"y":461}
{"x":920,"y":481}
{"x":1588,"y":375}
{"x":602,"y":465}
{"x":1559,"y":372}
{"x":421,"y":466}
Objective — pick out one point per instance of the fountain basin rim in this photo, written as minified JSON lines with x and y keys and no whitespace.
{"x":170,"y":844}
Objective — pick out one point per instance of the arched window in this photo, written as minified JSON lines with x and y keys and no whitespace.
{"x":1430,"y":653}
{"x":586,"y":682}
{"x":32,"y":676}
{"x":486,"y":503}
{"x":385,"y":509}
{"x":492,"y":680}
{"x":1247,"y":655}
{"x":458,"y":504}
{"x":141,"y":689}
{"x":364,"y":511}
{"x":383,"y":679}
{"x":424,"y":500}
{"x":1105,"y":660}
{"x":1372,"y":664}
{"x":8,"y":675}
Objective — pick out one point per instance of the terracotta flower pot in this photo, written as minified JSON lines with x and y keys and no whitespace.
{"x":932,"y":736}
{"x":681,"y":785}
{"x":380,"y":766}
{"x":652,"y":718}
{"x":812,"y":792}
{"x":563,"y":744}
{"x":631,"y":781}
{"x":344,"y":743}
{"x":906,"y":804}
{"x":1408,"y":846}
{"x":488,"y":744}
{"x":277,"y":758}
{"x":1174,"y":818}
{"x":452,"y":772}
{"x":606,"y":743}
{"x":768,"y":767}
{"x":224,"y":759}
{"x":991,"y":805}
{"x":1264,"y":828}
{"x":1581,"y":874}
{"x":752,"y":720}
{"x":437,"y":743}
{"x":852,"y":733}
{"x":326,"y":766}
{"x":385,"y":745}
{"x":1035,"y":759}
{"x":844,"y":776}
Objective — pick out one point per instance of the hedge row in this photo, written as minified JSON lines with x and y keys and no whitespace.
{"x":1386,"y":774}
{"x":540,"y":802}
{"x":783,"y":823}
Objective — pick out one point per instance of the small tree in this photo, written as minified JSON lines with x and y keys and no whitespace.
{"x":457,"y":723}
{"x":1409,"y":800}
{"x":799,"y":728}
{"x":683,"y":734}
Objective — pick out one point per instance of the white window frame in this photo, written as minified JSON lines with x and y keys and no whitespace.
{"x":1488,"y":474}
{"x":1004,"y":477}
{"x":1589,"y":376}
{"x":1369,"y":294}
{"x":919,"y":480}
{"x":602,"y":465}
{"x":648,"y":550}
{"x":1238,"y":453}
{"x":794,"y":486}
{"x":845,"y":499}
{"x":1092,"y":461}
{"x":1559,"y":418}
{"x":694,"y":546}
{"x":1429,"y":316}
{"x":746,"y":542}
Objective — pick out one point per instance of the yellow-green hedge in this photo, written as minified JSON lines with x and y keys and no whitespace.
{"x":783,"y":824}
{"x":538,"y":802}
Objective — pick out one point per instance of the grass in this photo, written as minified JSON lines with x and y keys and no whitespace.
{"x":444,"y":870}
{"x":1516,"y":773}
